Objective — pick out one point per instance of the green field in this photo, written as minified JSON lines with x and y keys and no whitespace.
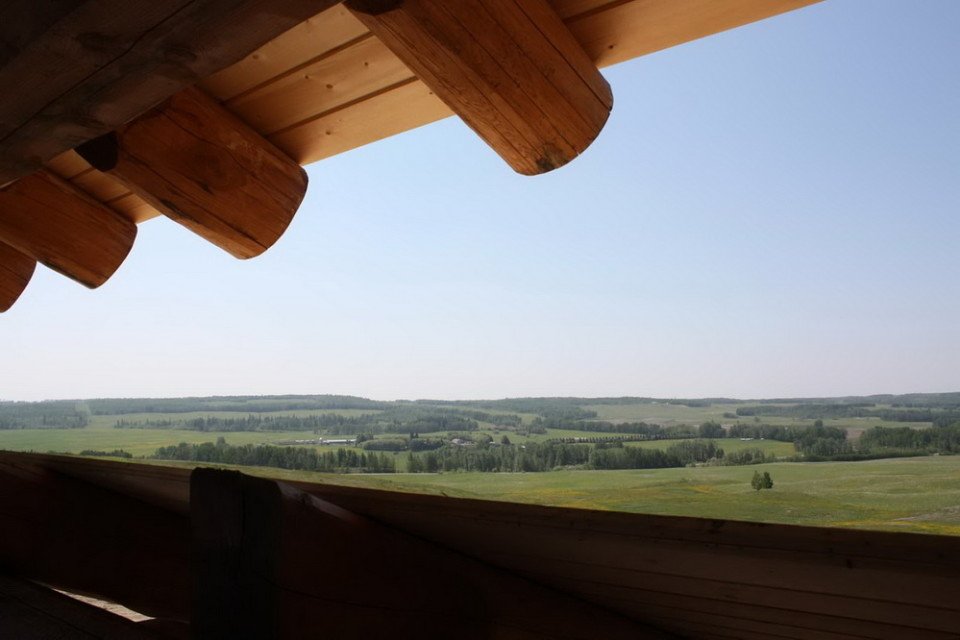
{"x":907,"y":494}
{"x":675,"y":414}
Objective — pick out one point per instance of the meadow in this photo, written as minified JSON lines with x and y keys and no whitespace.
{"x":920,"y":494}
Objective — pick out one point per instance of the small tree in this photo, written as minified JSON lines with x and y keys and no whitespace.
{"x":767,"y":481}
{"x":761,"y":481}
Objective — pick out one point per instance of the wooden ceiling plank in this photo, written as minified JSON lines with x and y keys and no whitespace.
{"x":609,"y":30}
{"x":16,"y":269}
{"x":201,"y":166}
{"x":307,"y":41}
{"x":134,"y":208}
{"x":382,"y":115}
{"x":68,"y":165}
{"x":132,"y":55}
{"x":355,"y":71}
{"x":617,"y":31}
{"x":53,"y":222}
{"x":502,"y":92}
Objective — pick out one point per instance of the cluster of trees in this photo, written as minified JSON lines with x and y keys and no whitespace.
{"x":921,"y":441}
{"x":546,"y":456}
{"x":650,"y":431}
{"x":402,"y":419}
{"x":51,"y":414}
{"x":308,"y":459}
{"x":487,"y":457}
{"x":115,"y":453}
{"x":680,"y":454}
{"x":761,"y":481}
{"x":252,"y":404}
{"x":940,"y":416}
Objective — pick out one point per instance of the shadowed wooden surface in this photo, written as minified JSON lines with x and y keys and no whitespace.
{"x":275,"y":562}
{"x":82,"y":68}
{"x":699,"y":578}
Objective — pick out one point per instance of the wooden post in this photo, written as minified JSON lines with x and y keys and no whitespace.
{"x":58,"y":225}
{"x":509,"y":68}
{"x":16,"y":269}
{"x":196,"y":162}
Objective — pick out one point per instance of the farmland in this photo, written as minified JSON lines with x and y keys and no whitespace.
{"x":558,"y":442}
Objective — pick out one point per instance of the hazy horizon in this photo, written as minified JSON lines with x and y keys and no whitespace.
{"x":770,"y":212}
{"x":492,"y":399}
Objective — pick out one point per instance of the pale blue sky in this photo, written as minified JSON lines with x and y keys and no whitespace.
{"x":772,"y":211}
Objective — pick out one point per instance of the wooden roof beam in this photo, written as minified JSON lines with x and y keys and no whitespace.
{"x":81,"y":68}
{"x":16,"y":269}
{"x":509,"y":68}
{"x":200,"y":165}
{"x":56,"y":224}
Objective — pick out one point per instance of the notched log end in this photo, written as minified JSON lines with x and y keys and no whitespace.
{"x":102,"y":153}
{"x":373,"y":7}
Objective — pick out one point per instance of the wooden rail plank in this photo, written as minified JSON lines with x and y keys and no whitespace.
{"x":63,"y":228}
{"x":16,"y":269}
{"x":261,"y":546}
{"x":509,"y":68}
{"x":72,"y":535}
{"x":130,"y":55}
{"x":200,"y":165}
{"x":735,"y":579}
{"x":30,"y":611}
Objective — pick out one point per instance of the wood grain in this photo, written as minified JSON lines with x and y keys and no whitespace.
{"x":275,"y":562}
{"x":16,"y":269}
{"x":87,"y":67}
{"x":88,"y":540}
{"x":200,"y":165}
{"x":63,"y":228}
{"x":697,"y":577}
{"x":508,"y":68}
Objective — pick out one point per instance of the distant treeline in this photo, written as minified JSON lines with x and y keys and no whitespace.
{"x":924,"y":441}
{"x":251,"y":404}
{"x":52,"y":414}
{"x":403,"y":419}
{"x":938,"y":416}
{"x":337,"y":461}
{"x":548,"y":456}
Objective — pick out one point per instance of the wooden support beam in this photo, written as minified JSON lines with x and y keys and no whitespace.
{"x":509,"y":68}
{"x":88,"y":540}
{"x":275,"y":562}
{"x":16,"y":269}
{"x":58,"y":225}
{"x":81,"y":68}
{"x":200,"y":165}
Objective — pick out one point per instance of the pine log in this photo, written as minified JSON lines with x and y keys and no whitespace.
{"x":509,"y":68}
{"x":200,"y":165}
{"x":72,"y":70}
{"x":16,"y":269}
{"x":63,"y":228}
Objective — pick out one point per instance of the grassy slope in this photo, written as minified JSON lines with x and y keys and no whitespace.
{"x":906,"y":494}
